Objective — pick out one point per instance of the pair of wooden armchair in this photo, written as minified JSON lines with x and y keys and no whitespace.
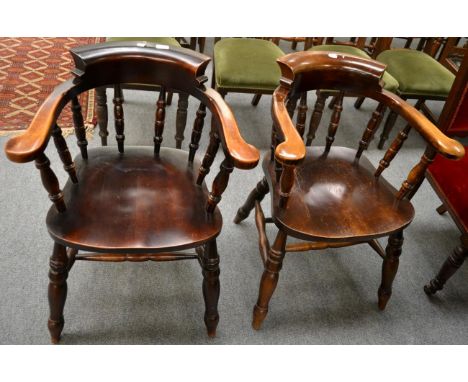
{"x":151,"y":203}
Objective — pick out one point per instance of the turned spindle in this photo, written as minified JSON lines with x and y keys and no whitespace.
{"x":181,"y":118}
{"x":80,"y":130}
{"x":210,"y":154}
{"x":335,"y":120}
{"x":50,"y":182}
{"x":372,"y":125}
{"x":64,"y":153}
{"x":197,"y":131}
{"x":393,"y":150}
{"x":159,"y":121}
{"x":302,"y":114}
{"x":316,"y":117}
{"x":119,"y":117}
{"x":219,"y":185}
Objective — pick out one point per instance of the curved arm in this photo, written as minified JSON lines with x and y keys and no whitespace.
{"x":244,"y":155}
{"x":292,"y":149}
{"x":27,"y":147}
{"x":444,"y":145}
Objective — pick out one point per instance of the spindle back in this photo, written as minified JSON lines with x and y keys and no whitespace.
{"x":355,"y":76}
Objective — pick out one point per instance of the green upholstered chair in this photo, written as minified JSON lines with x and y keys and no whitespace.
{"x":102,"y":113}
{"x":246,"y":65}
{"x":420,"y":77}
{"x":354,"y":47}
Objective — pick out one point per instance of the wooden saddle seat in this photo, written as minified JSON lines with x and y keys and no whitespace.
{"x":134,"y":202}
{"x":336,"y":198}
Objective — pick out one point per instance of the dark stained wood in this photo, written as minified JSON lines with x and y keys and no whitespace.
{"x":269,"y":279}
{"x":257,"y":194}
{"x":197,"y":131}
{"x":64,"y":153}
{"x":159,"y":121}
{"x":57,"y":292}
{"x":334,"y":121}
{"x":50,"y":182}
{"x":393,"y":150}
{"x":390,"y":267}
{"x":102,"y":114}
{"x":80,"y":130}
{"x":210,"y":154}
{"x":219,"y":185}
{"x":211,"y":287}
{"x":119,"y":117}
{"x":449,"y":267}
{"x":302,"y":114}
{"x":134,"y":205}
{"x":316,"y":117}
{"x":329,"y":196}
{"x":181,"y":118}
{"x":143,"y":205}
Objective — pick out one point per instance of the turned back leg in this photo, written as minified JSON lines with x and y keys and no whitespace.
{"x":451,"y":265}
{"x":210,"y":270}
{"x":258,"y":193}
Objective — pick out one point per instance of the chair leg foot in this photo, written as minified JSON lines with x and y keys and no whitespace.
{"x":390,"y":268}
{"x":57,"y":292}
{"x":450,"y":266}
{"x":256,"y":99}
{"x":358,"y":103}
{"x":258,"y":193}
{"x":389,"y":123}
{"x":441,"y":209}
{"x":269,"y":279}
{"x":211,"y":287}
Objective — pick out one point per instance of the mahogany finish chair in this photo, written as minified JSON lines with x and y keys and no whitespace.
{"x":331,"y":196}
{"x":134,"y":203}
{"x":450,"y":179}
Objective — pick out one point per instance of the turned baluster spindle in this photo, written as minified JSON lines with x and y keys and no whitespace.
{"x":393,"y":150}
{"x":302,"y":114}
{"x":274,"y":142}
{"x":210,"y":154}
{"x":159,"y":122}
{"x":416,"y":175}
{"x":286,"y":183}
{"x":119,"y":117}
{"x":64,"y":153}
{"x":181,"y":118}
{"x":335,"y":120}
{"x":80,"y":130}
{"x":197,"y":131}
{"x":219,"y":185}
{"x":372,"y":125}
{"x":50,"y":182}
{"x":102,"y":114}
{"x":316,"y":117}
{"x":291,"y":105}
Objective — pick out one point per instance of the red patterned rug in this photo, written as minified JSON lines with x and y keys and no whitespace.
{"x":29,"y":70}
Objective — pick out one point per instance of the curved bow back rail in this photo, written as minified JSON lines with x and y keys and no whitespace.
{"x":171,"y":68}
{"x":304,"y":71}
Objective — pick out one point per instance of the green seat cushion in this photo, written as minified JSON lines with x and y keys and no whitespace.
{"x":244,"y":63}
{"x":417,"y":73}
{"x":171,"y":41}
{"x":390,"y":83}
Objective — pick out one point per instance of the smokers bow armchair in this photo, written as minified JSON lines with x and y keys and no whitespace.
{"x":331,"y":196}
{"x":134,"y":203}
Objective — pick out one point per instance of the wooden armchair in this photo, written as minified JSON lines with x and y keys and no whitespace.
{"x":331,"y":196}
{"x":134,"y":203}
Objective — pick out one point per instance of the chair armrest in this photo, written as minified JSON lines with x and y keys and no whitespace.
{"x":243,"y":155}
{"x":448,"y":147}
{"x":27,"y":146}
{"x":292,"y":150}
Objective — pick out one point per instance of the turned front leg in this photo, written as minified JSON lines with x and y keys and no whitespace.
{"x":210,"y":266}
{"x":269,"y":279}
{"x":450,"y":266}
{"x":390,"y":267}
{"x":258,"y":193}
{"x":57,"y":292}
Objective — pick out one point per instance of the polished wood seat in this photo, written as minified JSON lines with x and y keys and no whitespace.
{"x":143,"y":218}
{"x":330,"y":206}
